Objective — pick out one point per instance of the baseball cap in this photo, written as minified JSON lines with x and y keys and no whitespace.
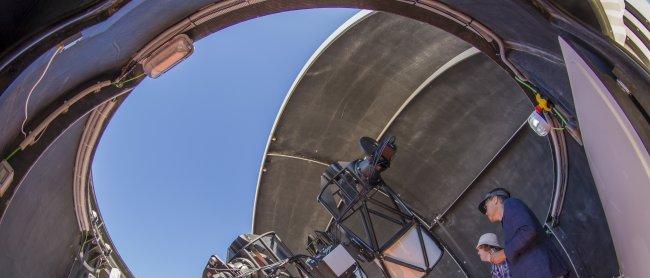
{"x":494,"y":192}
{"x":488,"y":239}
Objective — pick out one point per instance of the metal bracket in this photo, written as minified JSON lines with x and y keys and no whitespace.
{"x":6,"y":176}
{"x":572,"y":253}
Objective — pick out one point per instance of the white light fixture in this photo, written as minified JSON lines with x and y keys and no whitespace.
{"x":537,"y":122}
{"x":6,"y":176}
{"x":168,"y":55}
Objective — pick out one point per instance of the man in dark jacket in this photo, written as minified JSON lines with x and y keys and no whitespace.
{"x":528,"y":250}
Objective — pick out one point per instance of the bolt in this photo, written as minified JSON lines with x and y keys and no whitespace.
{"x":623,"y":87}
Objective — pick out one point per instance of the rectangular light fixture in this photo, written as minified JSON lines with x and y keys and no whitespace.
{"x":537,"y":122}
{"x":6,"y":176}
{"x":168,"y":55}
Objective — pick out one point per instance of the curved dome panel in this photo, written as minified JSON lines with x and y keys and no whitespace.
{"x":352,"y":90}
{"x":460,"y":123}
{"x":40,"y":226}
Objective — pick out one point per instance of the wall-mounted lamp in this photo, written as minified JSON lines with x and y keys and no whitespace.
{"x":168,"y":55}
{"x":537,"y":122}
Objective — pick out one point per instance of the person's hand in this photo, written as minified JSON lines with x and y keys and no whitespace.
{"x":498,"y":257}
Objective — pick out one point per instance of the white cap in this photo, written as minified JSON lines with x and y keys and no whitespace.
{"x":488,"y":239}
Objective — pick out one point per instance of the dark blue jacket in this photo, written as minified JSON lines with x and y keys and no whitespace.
{"x":529,"y":251}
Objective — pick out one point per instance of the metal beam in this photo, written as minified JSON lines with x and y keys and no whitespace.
{"x":92,"y":131}
{"x":299,"y":158}
{"x":452,"y":62}
{"x":438,"y":218}
{"x":453,"y":256}
{"x":561,"y":169}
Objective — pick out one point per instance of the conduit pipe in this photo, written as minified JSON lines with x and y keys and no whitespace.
{"x":34,"y":134}
{"x":89,"y":138}
{"x":561,"y":168}
{"x":217,"y":9}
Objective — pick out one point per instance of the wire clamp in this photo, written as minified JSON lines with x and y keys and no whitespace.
{"x":542,"y":103}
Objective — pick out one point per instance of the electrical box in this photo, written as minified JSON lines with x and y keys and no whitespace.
{"x":6,"y":176}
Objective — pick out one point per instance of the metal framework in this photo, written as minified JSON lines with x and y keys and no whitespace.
{"x":346,"y":196}
{"x":266,"y":256}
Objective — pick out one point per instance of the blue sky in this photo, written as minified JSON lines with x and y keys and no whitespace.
{"x":176,"y":170}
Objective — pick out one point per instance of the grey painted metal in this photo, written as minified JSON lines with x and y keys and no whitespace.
{"x":53,"y":30}
{"x":527,"y":156}
{"x":53,"y":127}
{"x":354,"y":20}
{"x":447,"y":267}
{"x":321,"y":119}
{"x":110,"y":45}
{"x":561,"y":168}
{"x":583,"y":219}
{"x":440,"y":217}
{"x":39,"y":235}
{"x":500,"y":7}
{"x":34,"y":134}
{"x":452,"y":62}
{"x":297,"y":157}
{"x":453,"y":257}
{"x":576,"y":265}
{"x":233,"y":9}
{"x":28,"y":162}
{"x":438,"y":156}
{"x":435,"y":178}
{"x":287,"y":203}
{"x":89,"y":139}
{"x":425,"y":105}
